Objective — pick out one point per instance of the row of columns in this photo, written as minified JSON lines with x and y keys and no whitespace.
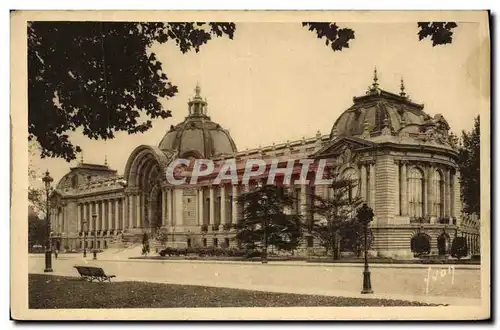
{"x":428,"y":198}
{"x":107,"y":212}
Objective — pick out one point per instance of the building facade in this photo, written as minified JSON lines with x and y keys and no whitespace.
{"x":406,"y":166}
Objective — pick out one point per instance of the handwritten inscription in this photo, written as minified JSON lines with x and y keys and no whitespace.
{"x":434,"y":275}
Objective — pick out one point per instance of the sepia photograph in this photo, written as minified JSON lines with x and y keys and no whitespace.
{"x":246,"y":165}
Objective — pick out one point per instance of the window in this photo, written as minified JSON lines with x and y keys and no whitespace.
{"x":188,"y":242}
{"x":226,"y":241}
{"x":189,"y":200}
{"x":204,"y":242}
{"x":438,"y":187}
{"x":415,"y":192}
{"x":216,"y":242}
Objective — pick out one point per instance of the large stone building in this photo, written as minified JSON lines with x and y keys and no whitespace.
{"x":406,"y":168}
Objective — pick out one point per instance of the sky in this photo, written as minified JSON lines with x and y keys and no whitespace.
{"x":277,"y":81}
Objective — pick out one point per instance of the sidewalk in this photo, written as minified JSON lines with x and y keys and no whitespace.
{"x":119,"y":258}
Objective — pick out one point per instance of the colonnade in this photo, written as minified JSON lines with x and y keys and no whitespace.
{"x":109,"y":215}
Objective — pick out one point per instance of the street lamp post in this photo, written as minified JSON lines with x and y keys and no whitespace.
{"x":94,"y":219}
{"x":47,"y":179}
{"x":365,"y":215}
{"x":84,"y":238}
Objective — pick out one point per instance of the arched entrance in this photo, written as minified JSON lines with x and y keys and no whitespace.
{"x":443,"y":243}
{"x":144,"y":174}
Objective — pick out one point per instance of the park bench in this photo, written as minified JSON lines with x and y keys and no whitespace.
{"x":93,"y":273}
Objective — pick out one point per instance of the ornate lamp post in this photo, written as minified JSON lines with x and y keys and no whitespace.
{"x":94,"y":220}
{"x":365,"y":215}
{"x":84,"y":222}
{"x":47,"y":179}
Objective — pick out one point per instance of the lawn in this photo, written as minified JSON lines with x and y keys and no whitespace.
{"x":47,"y":291}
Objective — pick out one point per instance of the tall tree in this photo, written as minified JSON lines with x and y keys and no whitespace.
{"x":101,"y":78}
{"x":469,"y":162}
{"x":265,"y":221}
{"x":337,"y":212}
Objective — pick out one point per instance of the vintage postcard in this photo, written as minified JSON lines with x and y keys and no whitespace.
{"x":182,"y":165}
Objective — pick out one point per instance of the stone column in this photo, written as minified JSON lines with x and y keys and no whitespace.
{"x":138,"y":210}
{"x":169,"y":207}
{"x":110,"y":214}
{"x":124,"y":211}
{"x":117,"y":214}
{"x":103,"y":215}
{"x":404,"y":189}
{"x":363,"y":183}
{"x":200,"y":206}
{"x":234,"y":215}
{"x":452,"y":194}
{"x":85,"y":215}
{"x":222,"y":204}
{"x":372,"y":186}
{"x":163,"y":206}
{"x":446,"y":199}
{"x":430,"y":193}
{"x":78,"y":217}
{"x":130,"y":211}
{"x":212,"y":206}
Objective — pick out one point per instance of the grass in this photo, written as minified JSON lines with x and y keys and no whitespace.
{"x":48,"y":291}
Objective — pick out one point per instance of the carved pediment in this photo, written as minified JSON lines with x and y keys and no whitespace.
{"x":342,"y":146}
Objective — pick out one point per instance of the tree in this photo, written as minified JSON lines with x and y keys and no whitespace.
{"x":439,"y":32}
{"x":36,"y":229}
{"x":469,"y":162}
{"x":337,"y":212}
{"x":36,"y":191}
{"x":420,"y":244}
{"x":99,"y":77}
{"x":265,"y":222}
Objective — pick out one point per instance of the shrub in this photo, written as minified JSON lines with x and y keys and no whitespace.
{"x":420,"y":244}
{"x":459,"y":248}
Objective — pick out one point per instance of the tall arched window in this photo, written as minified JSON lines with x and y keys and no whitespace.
{"x":415,"y":192}
{"x":438,"y":186}
{"x":351,"y":175}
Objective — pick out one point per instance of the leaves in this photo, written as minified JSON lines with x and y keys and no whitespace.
{"x":439,"y":32}
{"x":469,"y":162}
{"x":263,"y":211}
{"x":337,"y":212}
{"x":337,"y":38}
{"x":99,"y":77}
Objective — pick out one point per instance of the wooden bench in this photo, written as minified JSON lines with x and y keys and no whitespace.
{"x":93,"y":273}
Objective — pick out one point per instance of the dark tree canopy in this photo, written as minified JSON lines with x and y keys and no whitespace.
{"x":263,"y":210}
{"x":440,"y":32}
{"x":99,"y":77}
{"x":337,"y":38}
{"x":469,"y":162}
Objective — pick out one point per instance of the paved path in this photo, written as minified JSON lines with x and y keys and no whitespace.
{"x":461,"y":287}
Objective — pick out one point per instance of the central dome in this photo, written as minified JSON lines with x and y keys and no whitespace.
{"x":198,"y":136}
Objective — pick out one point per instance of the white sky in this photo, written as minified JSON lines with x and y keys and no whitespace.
{"x":276,"y":82}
